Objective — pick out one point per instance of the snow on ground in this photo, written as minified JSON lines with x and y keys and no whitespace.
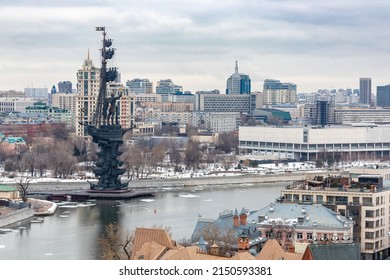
{"x":214,"y":170}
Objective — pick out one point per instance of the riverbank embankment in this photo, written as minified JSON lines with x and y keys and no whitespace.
{"x":14,"y":216}
{"x":80,"y":185}
{"x":43,"y":207}
{"x":38,"y":207}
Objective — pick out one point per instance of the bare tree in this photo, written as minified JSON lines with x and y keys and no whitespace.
{"x":116,"y":243}
{"x":23,"y":183}
{"x":158,"y":154}
{"x":227,"y":161}
{"x":228,"y":142}
{"x":63,"y":163}
{"x":5,"y":151}
{"x":224,"y":238}
{"x":174,"y":153}
{"x":40,"y":151}
{"x":137,"y":161}
{"x":27,"y":164}
{"x":192,"y":154}
{"x":60,"y":132}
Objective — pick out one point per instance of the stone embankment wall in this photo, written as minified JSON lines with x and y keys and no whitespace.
{"x":181,"y":182}
{"x":16,"y":216}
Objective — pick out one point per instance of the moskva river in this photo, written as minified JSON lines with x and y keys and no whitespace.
{"x":73,"y":232}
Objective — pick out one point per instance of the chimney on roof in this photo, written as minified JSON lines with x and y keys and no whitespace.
{"x":235,"y":219}
{"x":291,"y":248}
{"x":214,"y":250}
{"x":243,"y":217}
{"x":243,"y":242}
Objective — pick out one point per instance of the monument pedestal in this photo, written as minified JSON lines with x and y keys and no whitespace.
{"x":108,"y":167}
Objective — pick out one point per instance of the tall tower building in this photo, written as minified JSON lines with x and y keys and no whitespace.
{"x":88,"y":78}
{"x":383,"y":96}
{"x":238,"y":83}
{"x":65,"y":87}
{"x":365,"y":91}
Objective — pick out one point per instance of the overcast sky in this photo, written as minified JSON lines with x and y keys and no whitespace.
{"x":315,"y":44}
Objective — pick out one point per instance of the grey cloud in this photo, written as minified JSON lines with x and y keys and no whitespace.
{"x":188,"y":37}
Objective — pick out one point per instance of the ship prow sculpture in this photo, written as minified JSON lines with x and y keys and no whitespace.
{"x":106,"y":130}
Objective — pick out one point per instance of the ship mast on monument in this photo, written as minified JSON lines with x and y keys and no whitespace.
{"x":105,"y":128}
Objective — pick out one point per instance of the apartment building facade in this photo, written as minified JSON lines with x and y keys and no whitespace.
{"x":368,"y":205}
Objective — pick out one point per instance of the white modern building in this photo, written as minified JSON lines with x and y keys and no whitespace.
{"x":217,"y":122}
{"x":37,"y":93}
{"x":8,"y":104}
{"x":366,"y":115}
{"x":354,"y":142}
{"x":143,"y":98}
{"x":244,"y":103}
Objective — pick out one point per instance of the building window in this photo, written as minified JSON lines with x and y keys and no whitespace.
{"x":367,"y":201}
{"x":345,"y":146}
{"x":309,"y":236}
{"x":299,"y":235}
{"x":342,"y":200}
{"x":305,"y":136}
{"x":307,"y":198}
{"x":369,"y":246}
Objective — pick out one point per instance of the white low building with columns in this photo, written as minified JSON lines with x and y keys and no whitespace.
{"x":342,"y":143}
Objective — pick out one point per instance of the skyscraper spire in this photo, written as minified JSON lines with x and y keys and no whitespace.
{"x":236,"y":69}
{"x":88,"y":62}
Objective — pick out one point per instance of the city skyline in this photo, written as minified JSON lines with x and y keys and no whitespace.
{"x":313,"y":45}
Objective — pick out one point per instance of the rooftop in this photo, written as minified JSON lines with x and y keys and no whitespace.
{"x":308,"y":216}
{"x":6,"y":188}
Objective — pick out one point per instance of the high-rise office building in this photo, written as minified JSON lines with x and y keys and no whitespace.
{"x":365,"y":91}
{"x":140,"y":86}
{"x":383,"y":96}
{"x":211,"y":102}
{"x":276,"y":92}
{"x":322,"y":111}
{"x":65,"y":87}
{"x":88,"y":79}
{"x":238,"y":83}
{"x":167,"y":88}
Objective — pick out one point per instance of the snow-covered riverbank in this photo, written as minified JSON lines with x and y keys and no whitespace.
{"x":53,"y":184}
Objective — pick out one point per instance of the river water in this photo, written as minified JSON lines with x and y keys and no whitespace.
{"x":73,"y":233}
